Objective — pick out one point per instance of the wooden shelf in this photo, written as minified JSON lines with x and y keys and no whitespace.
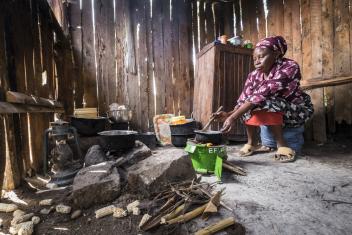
{"x":9,"y":108}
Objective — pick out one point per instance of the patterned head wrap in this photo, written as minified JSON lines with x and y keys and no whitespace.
{"x":275,"y":43}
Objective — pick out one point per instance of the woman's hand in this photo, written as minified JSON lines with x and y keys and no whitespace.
{"x":220,"y":116}
{"x":228,"y":124}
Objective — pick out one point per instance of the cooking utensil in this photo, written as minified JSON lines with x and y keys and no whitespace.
{"x":89,"y":126}
{"x":119,"y":115}
{"x":183,"y":129}
{"x":214,"y":137}
{"x":211,"y":119}
{"x":204,"y":136}
{"x":118,"y":139}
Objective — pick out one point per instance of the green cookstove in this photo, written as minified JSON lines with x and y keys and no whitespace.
{"x":206,"y":158}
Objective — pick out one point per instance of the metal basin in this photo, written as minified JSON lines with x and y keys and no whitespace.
{"x":118,"y":139}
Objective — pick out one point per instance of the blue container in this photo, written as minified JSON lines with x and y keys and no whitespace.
{"x":293,"y":136}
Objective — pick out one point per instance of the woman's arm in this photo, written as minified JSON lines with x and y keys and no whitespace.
{"x":235,"y":114}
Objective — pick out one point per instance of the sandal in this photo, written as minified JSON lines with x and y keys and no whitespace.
{"x":247,"y":150}
{"x":285,"y":154}
{"x":264,"y":149}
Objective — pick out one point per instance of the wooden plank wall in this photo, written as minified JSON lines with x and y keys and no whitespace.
{"x":151,"y":45}
{"x":32,"y":48}
{"x":137,"y":53}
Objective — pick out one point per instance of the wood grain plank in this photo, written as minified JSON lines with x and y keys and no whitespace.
{"x":261,"y":19}
{"x":342,"y":60}
{"x":228,"y":19}
{"x":275,"y":17}
{"x":90,"y":98}
{"x":296,"y":33}
{"x":327,"y":43}
{"x":210,"y":23}
{"x":185,"y":58}
{"x":12,"y":173}
{"x":75,"y":21}
{"x":238,"y":18}
{"x":202,"y":22}
{"x":307,"y":54}
{"x":159,"y":65}
{"x":104,"y":21}
{"x":317,"y":95}
{"x":287,"y":34}
{"x":169,"y":80}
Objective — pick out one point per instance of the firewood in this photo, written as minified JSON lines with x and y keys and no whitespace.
{"x":173,"y":214}
{"x":221,"y":202}
{"x":188,"y":216}
{"x":233,"y":168}
{"x":216,"y":227}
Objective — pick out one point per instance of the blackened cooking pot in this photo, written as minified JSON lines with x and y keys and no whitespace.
{"x":147,"y":138}
{"x":89,"y":126}
{"x":213,"y":137}
{"x":118,"y":139}
{"x":183,"y":129}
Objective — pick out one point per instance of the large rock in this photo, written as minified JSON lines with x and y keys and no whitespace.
{"x":96,"y":184}
{"x":168,"y":165}
{"x":137,"y":154}
{"x":95,"y":155}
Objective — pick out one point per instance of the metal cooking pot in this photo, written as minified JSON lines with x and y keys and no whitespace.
{"x":89,"y":126}
{"x":214,"y":137}
{"x":123,"y":115}
{"x":118,"y":139}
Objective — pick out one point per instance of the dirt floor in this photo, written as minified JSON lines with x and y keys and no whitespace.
{"x":310,"y":196}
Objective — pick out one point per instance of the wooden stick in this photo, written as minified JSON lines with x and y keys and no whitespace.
{"x":221,"y":202}
{"x":233,"y":168}
{"x":211,"y":119}
{"x":324,"y":82}
{"x":216,"y":227}
{"x":173,"y":214}
{"x":188,"y":216}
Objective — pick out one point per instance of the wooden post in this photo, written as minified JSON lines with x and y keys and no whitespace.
{"x":12,"y":174}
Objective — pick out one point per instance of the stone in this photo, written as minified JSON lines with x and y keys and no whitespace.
{"x":36,"y":219}
{"x":137,"y":154}
{"x":96,"y":184}
{"x":152,"y":174}
{"x":46,"y":211}
{"x":95,"y":155}
{"x":46,"y":202}
{"x":76,"y":214}
{"x":63,"y":209}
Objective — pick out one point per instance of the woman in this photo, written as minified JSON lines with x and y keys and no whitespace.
{"x":271,"y":97}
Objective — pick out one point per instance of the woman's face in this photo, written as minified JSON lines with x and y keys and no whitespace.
{"x":264,"y":59}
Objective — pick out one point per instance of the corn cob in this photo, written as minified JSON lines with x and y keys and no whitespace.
{"x":119,"y":213}
{"x":144,"y":219}
{"x":26,"y":228}
{"x":136,"y":211}
{"x":108,"y":210}
{"x":63,"y":209}
{"x":46,"y":202}
{"x":21,"y":219}
{"x":18,"y":213}
{"x":132,"y":205}
{"x":8,"y":207}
